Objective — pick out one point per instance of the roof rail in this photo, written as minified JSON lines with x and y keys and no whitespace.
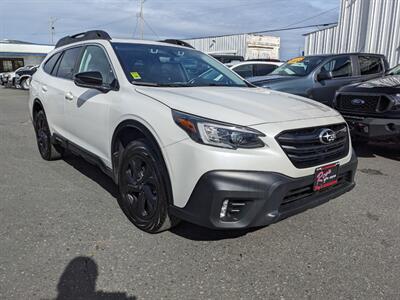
{"x":83,"y":36}
{"x":177,"y":42}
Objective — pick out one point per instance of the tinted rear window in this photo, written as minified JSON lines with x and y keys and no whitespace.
{"x":263,"y":69}
{"x":370,"y":65}
{"x":49,"y":65}
{"x":245,"y":70}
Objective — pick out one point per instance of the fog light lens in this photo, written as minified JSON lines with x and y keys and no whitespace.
{"x":224,"y":208}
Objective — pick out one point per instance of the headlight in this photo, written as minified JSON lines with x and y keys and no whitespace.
{"x":214,"y":133}
{"x":396,"y":99}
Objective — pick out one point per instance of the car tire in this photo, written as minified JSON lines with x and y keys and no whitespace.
{"x":359,"y":141}
{"x":143,"y":188}
{"x":47,"y":150}
{"x":24,"y":84}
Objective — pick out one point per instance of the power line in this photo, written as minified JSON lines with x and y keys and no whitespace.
{"x":140,"y":18}
{"x":313,"y":17}
{"x":223,"y":9}
{"x":148,"y":25}
{"x":134,"y":31}
{"x":265,"y":31}
{"x":87,"y":28}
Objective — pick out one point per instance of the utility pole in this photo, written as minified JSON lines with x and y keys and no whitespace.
{"x":140,"y":18}
{"x":52,"y":29}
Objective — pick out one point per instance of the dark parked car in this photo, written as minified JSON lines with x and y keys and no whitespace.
{"x":372,"y":108}
{"x":23,"y":76}
{"x":319,"y":77}
{"x":227,"y":58}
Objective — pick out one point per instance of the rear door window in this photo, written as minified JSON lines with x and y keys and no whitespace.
{"x":66,"y":68}
{"x":370,"y":65}
{"x":245,"y":70}
{"x":50,"y":63}
{"x":263,"y":69}
{"x":340,"y":67}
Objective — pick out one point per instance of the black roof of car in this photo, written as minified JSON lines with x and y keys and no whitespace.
{"x":102,"y":35}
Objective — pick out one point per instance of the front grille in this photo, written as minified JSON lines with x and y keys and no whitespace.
{"x":368,"y":103}
{"x":305,"y":149}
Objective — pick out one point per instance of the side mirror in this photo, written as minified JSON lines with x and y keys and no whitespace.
{"x":91,"y":80}
{"x":324,"y":76}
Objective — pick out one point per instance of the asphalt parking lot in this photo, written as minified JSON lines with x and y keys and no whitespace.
{"x":63,"y":235}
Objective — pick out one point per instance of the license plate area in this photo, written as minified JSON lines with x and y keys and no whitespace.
{"x":325,"y":177}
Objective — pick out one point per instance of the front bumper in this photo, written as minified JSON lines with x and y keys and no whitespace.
{"x":257,"y":198}
{"x":374,"y":128}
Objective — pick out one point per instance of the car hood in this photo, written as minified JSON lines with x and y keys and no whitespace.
{"x":242,"y":106}
{"x":271,"y":79}
{"x":386,"y":85}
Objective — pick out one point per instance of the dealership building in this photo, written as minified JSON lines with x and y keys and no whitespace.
{"x":371,"y":26}
{"x":249,"y":46}
{"x":15,"y":54}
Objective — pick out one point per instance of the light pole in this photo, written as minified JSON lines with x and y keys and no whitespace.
{"x":52,"y":29}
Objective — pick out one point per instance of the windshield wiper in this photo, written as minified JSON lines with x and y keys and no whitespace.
{"x":145,"y":83}
{"x":227,"y":85}
{"x":173,"y":84}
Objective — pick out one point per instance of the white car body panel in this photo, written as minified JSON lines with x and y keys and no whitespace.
{"x":242,"y":106}
{"x":91,"y":118}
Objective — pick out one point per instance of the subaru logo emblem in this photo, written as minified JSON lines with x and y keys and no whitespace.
{"x":327,"y":136}
{"x":357,"y":102}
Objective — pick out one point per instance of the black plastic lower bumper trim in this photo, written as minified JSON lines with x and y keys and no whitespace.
{"x":256,"y":198}
{"x":374,"y":128}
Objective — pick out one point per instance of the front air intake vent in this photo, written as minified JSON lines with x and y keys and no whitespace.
{"x":310,"y":147}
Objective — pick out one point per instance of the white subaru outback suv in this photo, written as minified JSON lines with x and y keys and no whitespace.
{"x":184,"y":137}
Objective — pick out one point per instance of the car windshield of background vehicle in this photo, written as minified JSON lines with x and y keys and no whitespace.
{"x":299,"y":66}
{"x":164,"y":66}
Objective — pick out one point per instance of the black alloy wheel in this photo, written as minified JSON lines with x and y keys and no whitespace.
{"x":143,"y":189}
{"x":43,"y":138}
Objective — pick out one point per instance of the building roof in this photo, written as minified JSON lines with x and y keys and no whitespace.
{"x":21,"y":47}
{"x":7,"y":41}
{"x":321,"y":29}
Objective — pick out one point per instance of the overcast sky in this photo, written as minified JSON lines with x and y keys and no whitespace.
{"x":28,"y":20}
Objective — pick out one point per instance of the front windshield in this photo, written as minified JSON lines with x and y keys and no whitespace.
{"x":157,"y":65}
{"x":299,"y":66}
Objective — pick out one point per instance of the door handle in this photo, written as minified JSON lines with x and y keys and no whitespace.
{"x":44,"y":88}
{"x":69,"y":96}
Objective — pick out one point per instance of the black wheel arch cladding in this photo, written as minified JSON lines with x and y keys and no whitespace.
{"x":37,"y":106}
{"x":131,"y":130}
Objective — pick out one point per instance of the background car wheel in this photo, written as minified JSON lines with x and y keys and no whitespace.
{"x":25,"y":83}
{"x":47,"y":150}
{"x":143,"y":189}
